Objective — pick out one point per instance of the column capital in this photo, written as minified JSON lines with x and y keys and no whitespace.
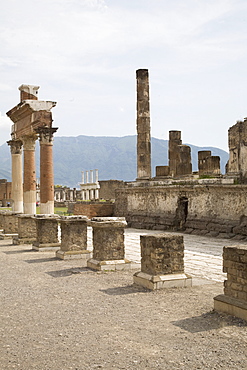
{"x":15,"y":146}
{"x":46,"y":134}
{"x":29,"y":142}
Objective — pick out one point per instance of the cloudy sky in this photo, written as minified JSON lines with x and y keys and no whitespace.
{"x":84,"y":53}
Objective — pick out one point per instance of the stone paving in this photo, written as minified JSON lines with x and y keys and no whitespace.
{"x":202,"y":257}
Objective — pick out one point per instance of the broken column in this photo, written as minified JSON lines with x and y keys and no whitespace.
{"x":237,"y":142}
{"x":143,"y":126}
{"x":179,"y":155}
{"x":73,"y":238}
{"x":234,"y":299}
{"x":26,"y":230}
{"x":17,"y":182}
{"x":162,"y":262}
{"x":207,"y":164}
{"x":47,"y":233}
{"x":10,"y":225}
{"x":46,"y":169}
{"x":108,"y":244}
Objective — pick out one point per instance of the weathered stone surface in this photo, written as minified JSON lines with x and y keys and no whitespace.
{"x":10,"y":222}
{"x":47,"y":232}
{"x":143,"y":125}
{"x":26,"y":229}
{"x":162,"y":254}
{"x":108,"y":238}
{"x":234,"y":300}
{"x":73,"y":233}
{"x":215,"y":208}
{"x":179,"y":155}
{"x":208,"y":164}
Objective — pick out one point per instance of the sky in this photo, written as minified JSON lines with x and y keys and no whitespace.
{"x":84,"y":55}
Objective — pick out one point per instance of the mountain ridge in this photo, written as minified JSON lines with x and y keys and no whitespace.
{"x":113,"y":156}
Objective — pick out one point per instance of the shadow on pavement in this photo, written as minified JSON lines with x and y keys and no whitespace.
{"x":208,"y":321}
{"x":128,"y":289}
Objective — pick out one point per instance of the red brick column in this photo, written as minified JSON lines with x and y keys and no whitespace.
{"x":46,"y":170}
{"x":29,"y":187}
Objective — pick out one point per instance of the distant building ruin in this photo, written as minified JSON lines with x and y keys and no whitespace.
{"x":237,"y":142}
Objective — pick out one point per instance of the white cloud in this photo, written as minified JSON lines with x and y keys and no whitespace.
{"x":5,"y":128}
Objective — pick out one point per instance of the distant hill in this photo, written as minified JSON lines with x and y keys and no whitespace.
{"x":114,"y":157}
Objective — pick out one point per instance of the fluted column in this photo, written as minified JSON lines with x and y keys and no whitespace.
{"x":46,"y":170}
{"x":29,"y":187}
{"x":17,"y":182}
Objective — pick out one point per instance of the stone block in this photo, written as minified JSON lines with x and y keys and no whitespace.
{"x":26,"y":230}
{"x":47,"y":233}
{"x":155,"y":282}
{"x":162,"y":254}
{"x":230,"y":306}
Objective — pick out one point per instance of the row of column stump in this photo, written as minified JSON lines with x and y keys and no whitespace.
{"x":162,"y":255}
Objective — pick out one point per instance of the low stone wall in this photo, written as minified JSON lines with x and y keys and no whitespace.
{"x":214,"y":210}
{"x":94,"y":209}
{"x":234,"y":299}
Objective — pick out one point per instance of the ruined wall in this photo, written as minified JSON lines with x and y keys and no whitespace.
{"x":208,"y":164}
{"x":179,"y":155}
{"x":237,"y":142}
{"x":94,"y":209}
{"x":206,"y":210}
{"x":5,"y":192}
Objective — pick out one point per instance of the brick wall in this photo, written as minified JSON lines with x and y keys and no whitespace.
{"x":235,"y":265}
{"x":94,"y":209}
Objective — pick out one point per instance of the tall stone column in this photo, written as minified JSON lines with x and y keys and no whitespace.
{"x":143,"y":125}
{"x":46,"y":169}
{"x":17,"y":182}
{"x":29,"y":188}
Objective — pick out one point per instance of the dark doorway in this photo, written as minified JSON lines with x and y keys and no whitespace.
{"x":181,"y":213}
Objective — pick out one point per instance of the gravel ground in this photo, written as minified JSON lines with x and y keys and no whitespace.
{"x":59,"y":315}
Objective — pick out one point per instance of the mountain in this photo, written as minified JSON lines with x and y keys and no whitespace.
{"x":114,"y":157}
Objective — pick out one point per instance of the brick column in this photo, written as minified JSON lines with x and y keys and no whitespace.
{"x":108,"y":244}
{"x":46,"y":169}
{"x":143,"y":126}
{"x":17,"y":182}
{"x":234,"y":299}
{"x":162,"y":262}
{"x":29,"y":188}
{"x":73,"y":238}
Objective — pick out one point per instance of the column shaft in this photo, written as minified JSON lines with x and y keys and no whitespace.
{"x":143,"y":125}
{"x":17,"y":181}
{"x":29,"y":188}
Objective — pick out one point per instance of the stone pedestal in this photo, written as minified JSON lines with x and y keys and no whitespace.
{"x":234,"y":299}
{"x":47,"y":233}
{"x":108,"y":244}
{"x":10,"y":225}
{"x":26,"y":230}
{"x":73,"y":238}
{"x":162,"y":262}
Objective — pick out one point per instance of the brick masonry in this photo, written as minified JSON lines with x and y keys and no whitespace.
{"x":235,"y":265}
{"x":94,"y":209}
{"x":162,"y":254}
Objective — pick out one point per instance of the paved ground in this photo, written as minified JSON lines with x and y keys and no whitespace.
{"x":58,"y":315}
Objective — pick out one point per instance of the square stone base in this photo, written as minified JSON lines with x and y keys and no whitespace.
{"x":46,"y":247}
{"x":113,"y":265}
{"x":74,"y":255}
{"x":18,"y":241}
{"x":154,"y":282}
{"x":231,"y":306}
{"x":7,"y":236}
